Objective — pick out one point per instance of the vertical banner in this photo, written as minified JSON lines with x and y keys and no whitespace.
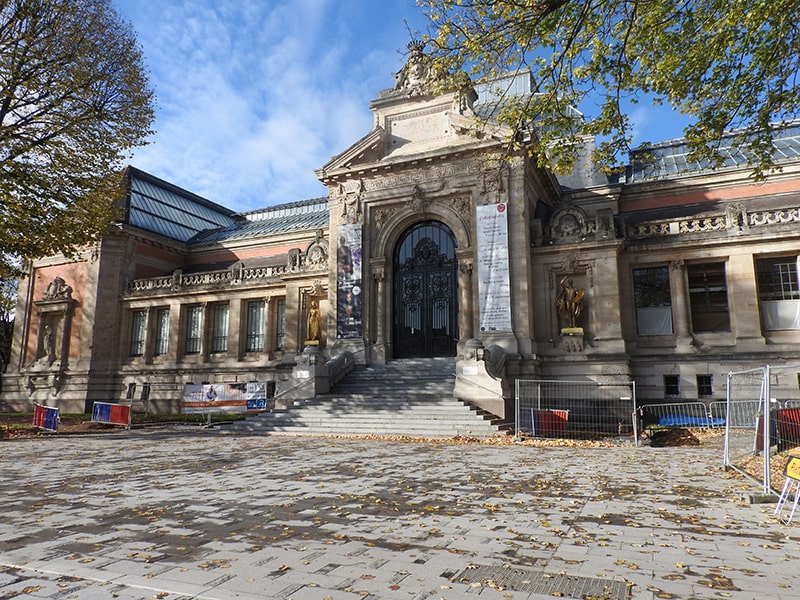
{"x":348,"y":283}
{"x":494,"y":289}
{"x":46,"y":417}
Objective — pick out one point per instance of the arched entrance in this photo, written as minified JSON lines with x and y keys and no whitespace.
{"x":425,"y":292}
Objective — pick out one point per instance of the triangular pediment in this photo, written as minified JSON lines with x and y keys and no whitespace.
{"x":368,"y":149}
{"x":408,"y":128}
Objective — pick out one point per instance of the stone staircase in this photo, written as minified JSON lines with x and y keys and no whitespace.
{"x":410,"y":397}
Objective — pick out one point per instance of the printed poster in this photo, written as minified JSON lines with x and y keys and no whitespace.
{"x":348,"y":283}
{"x":224,"y":397}
{"x":494,"y":288}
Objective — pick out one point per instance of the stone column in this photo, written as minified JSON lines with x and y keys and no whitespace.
{"x":378,"y":277}
{"x":740,"y":277}
{"x":235,"y":347}
{"x":465,"y":311}
{"x":149,"y":335}
{"x":205,"y":332}
{"x":271,"y":326}
{"x":680,"y":300}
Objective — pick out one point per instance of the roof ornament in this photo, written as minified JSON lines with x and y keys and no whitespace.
{"x":418,"y":72}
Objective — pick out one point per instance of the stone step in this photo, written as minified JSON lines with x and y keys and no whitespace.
{"x":410,"y":397}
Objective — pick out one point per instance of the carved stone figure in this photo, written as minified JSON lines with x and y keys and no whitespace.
{"x":569,"y":301}
{"x":48,"y":344}
{"x":417,"y":72}
{"x":58,"y":290}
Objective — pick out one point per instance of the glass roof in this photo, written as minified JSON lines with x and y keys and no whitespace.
{"x":671,"y":159}
{"x":160,"y":207}
{"x":303,"y":215}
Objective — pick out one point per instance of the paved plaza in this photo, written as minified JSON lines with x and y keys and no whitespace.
{"x":192,"y":513}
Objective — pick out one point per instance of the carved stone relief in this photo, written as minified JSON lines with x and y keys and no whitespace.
{"x":418,"y":202}
{"x":350,"y":192}
{"x":568,"y":226}
{"x":736,"y":217}
{"x":417,"y":75}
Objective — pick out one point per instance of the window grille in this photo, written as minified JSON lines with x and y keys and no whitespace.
{"x":219,"y":339}
{"x":704,"y":386}
{"x":255,"y":327}
{"x":162,"y":331}
{"x":280,"y":330}
{"x":194,"y":329}
{"x":672,"y":386}
{"x":138,"y":324}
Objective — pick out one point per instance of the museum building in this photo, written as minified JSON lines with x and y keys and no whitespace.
{"x":435,"y":239}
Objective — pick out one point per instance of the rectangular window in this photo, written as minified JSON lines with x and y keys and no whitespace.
{"x":653,"y":301}
{"x":708,"y":297}
{"x":162,"y":331}
{"x":138,"y":325}
{"x":254,"y":340}
{"x":778,"y":292}
{"x":777,"y":278}
{"x":672,"y":386}
{"x":194,"y":329}
{"x":704,"y":389}
{"x":280,"y":329}
{"x":219,"y":338}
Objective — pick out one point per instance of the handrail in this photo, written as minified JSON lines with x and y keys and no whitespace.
{"x":476,"y":384}
{"x":289,"y":389}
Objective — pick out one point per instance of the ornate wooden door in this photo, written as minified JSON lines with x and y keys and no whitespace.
{"x":426,"y":307}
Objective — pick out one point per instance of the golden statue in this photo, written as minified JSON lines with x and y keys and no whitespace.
{"x":313,"y":330}
{"x":569,"y":302}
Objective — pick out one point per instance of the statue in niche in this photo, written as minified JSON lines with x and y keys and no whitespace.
{"x":48,"y":345}
{"x":569,"y":301}
{"x":313,"y":330}
{"x":58,"y":290}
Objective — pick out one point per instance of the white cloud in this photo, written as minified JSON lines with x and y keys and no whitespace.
{"x":253,"y":96}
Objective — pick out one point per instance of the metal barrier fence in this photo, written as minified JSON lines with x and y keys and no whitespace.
{"x":769,"y":423}
{"x":678,"y":414}
{"x":574,"y":409}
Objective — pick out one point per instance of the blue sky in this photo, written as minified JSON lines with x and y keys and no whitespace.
{"x":253,"y":95}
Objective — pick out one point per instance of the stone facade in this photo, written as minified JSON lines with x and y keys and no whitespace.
{"x":669,"y":281}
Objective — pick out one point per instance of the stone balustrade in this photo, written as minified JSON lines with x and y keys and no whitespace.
{"x":712,"y":223}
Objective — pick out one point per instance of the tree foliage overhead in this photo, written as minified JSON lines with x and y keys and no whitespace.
{"x":726,"y":64}
{"x":75,"y":99}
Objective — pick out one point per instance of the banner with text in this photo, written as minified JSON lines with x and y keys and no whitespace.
{"x":494,"y":289}
{"x":348,"y":282}
{"x":224,"y":397}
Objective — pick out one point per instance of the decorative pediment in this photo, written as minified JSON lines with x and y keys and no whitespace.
{"x":369,"y":149}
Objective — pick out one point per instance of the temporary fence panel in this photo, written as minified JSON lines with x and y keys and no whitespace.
{"x":574,"y":409}
{"x":765,"y":419}
{"x":226,"y":398}
{"x":678,"y":414}
{"x":46,"y":417}
{"x":115,"y":414}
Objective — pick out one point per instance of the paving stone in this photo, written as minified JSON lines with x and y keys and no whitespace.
{"x":265,"y":517}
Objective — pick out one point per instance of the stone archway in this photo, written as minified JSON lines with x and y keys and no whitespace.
{"x":425,"y":292}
